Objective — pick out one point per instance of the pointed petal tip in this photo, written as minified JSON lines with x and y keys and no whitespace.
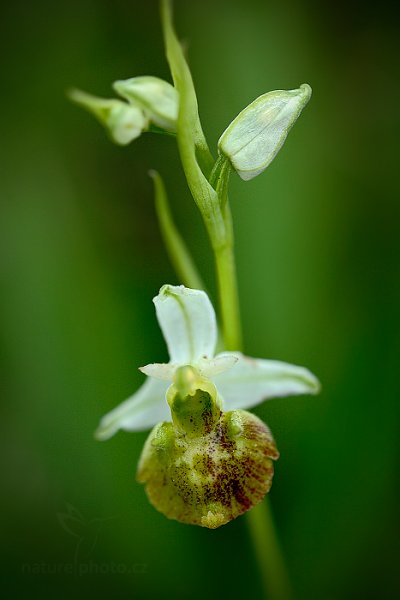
{"x":310,"y":380}
{"x":118,"y":86}
{"x":104,"y":432}
{"x":307,"y":90}
{"x":163,"y":371}
{"x":316,"y":386}
{"x":167,"y":289}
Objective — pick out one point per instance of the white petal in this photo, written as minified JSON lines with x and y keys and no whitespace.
{"x":218,"y":364}
{"x":144,"y":409}
{"x":164,"y":371}
{"x":187,"y":320}
{"x":251,"y":381}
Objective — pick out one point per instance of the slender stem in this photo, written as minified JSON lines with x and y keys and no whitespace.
{"x":269,"y":555}
{"x":260,"y":520}
{"x":228,"y":297}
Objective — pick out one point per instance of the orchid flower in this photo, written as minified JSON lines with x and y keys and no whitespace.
{"x":188,"y":323}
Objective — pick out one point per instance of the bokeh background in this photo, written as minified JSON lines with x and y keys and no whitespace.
{"x":81,"y":257}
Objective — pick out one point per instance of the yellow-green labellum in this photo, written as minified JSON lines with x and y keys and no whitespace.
{"x":211,"y":478}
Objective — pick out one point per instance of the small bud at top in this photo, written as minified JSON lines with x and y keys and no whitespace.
{"x":123,"y":121}
{"x":257,"y":134}
{"x":158,"y":98}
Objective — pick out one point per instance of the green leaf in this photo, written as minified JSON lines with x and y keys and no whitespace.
{"x":177,"y":250}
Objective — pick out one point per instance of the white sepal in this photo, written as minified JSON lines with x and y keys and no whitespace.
{"x":252,"y":380}
{"x":139,"y":412}
{"x":187,"y":320}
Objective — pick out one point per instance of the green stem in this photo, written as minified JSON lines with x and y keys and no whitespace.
{"x":219,"y":179}
{"x":260,"y":520}
{"x":178,"y":252}
{"x":228,"y":297}
{"x":268,"y":551}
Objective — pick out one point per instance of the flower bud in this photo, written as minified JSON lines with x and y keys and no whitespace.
{"x":123,"y":121}
{"x":210,"y":478}
{"x":257,"y":134}
{"x":158,"y":99}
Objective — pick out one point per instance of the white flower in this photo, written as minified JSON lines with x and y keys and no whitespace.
{"x":188,"y":323}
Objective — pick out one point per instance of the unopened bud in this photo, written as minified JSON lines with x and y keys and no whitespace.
{"x":256,"y":135}
{"x":123,"y":121}
{"x":158,"y":98}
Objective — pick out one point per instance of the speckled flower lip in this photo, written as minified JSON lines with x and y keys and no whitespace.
{"x":207,"y":467}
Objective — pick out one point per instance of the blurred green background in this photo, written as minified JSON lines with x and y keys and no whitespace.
{"x":81,"y":257}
